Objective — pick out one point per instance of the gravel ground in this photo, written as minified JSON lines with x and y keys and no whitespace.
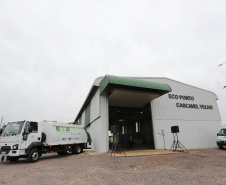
{"x":199,"y":166}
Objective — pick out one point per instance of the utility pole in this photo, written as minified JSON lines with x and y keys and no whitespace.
{"x":221,"y":65}
{"x":1,"y":121}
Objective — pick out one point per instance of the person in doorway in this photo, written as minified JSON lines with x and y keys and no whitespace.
{"x":130,"y":141}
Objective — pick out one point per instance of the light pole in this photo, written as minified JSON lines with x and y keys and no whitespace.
{"x":1,"y":122}
{"x":222,"y":64}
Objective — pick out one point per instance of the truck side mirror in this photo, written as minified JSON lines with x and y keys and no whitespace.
{"x":30,"y":129}
{"x":24,"y":137}
{"x":218,"y":134}
{"x":1,"y":131}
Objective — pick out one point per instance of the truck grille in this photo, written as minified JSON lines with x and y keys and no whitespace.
{"x":6,"y":148}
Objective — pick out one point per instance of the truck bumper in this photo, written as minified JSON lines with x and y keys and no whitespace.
{"x":12,"y":153}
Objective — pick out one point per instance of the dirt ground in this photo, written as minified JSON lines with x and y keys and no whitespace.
{"x":199,"y":166}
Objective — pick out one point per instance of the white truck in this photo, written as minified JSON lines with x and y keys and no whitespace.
{"x":221,"y":138}
{"x":29,"y":139}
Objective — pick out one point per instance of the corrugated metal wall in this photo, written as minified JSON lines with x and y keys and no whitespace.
{"x":198,"y":127}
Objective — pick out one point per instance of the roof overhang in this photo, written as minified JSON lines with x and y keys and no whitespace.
{"x":131,"y":92}
{"x":125,"y":98}
{"x":112,"y":82}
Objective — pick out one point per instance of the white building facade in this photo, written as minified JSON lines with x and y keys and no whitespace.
{"x":144,"y":108}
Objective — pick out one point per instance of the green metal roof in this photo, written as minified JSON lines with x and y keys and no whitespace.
{"x":131,"y":82}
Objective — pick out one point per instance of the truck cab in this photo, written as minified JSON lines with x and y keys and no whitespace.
{"x":16,"y":138}
{"x":221,"y":138}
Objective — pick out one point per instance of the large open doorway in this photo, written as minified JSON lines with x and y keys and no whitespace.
{"x":131,"y":111}
{"x":135,"y":127}
{"x":129,"y":108}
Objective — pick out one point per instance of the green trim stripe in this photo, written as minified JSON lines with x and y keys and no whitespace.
{"x":87,"y":115}
{"x":89,"y":139}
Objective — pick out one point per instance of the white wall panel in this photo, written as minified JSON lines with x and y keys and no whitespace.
{"x":198,"y":127}
{"x":95,"y":106}
{"x":193,"y":134}
{"x":99,"y":128}
{"x":95,"y":132}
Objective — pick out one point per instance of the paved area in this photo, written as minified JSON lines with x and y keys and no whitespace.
{"x":140,"y":153}
{"x":199,"y":166}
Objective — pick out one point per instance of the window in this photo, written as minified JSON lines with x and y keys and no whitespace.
{"x":222,"y":132}
{"x":123,"y":129}
{"x":34,"y":126}
{"x":13,"y":128}
{"x":137,"y":127}
{"x":26,"y":127}
{"x":80,"y":121}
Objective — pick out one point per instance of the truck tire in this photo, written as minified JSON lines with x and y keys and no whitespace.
{"x":220,"y":146}
{"x":33,"y":156}
{"x":77,"y":149}
{"x":13,"y":159}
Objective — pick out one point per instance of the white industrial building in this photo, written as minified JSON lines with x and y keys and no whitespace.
{"x":144,"y":108}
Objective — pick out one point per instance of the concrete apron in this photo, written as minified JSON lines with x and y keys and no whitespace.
{"x":141,"y":153}
{"x":134,"y":153}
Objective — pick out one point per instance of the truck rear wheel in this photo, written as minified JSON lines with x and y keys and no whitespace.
{"x":77,"y":149}
{"x":33,"y":156}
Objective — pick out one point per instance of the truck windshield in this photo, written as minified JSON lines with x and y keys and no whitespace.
{"x":13,"y":128}
{"x":222,"y":132}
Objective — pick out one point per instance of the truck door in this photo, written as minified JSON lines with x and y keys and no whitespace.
{"x":30,"y":137}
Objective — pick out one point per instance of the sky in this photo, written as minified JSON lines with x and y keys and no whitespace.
{"x":51,"y":51}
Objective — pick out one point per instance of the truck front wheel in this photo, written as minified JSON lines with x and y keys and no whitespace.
{"x":221,"y":146}
{"x":33,"y":156}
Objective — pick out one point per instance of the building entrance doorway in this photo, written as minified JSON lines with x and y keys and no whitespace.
{"x":135,"y":130}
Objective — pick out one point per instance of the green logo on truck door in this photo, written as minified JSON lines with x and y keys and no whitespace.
{"x":62,"y":129}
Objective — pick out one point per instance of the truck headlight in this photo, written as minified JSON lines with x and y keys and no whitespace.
{"x":15,"y":147}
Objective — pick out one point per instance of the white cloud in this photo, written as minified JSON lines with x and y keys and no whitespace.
{"x":52,"y":51}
